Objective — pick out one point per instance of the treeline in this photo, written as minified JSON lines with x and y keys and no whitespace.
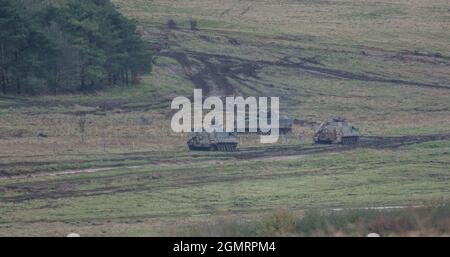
{"x":68,"y":46}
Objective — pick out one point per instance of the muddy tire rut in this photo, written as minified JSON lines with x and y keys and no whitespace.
{"x":150,"y":182}
{"x":214,"y":72}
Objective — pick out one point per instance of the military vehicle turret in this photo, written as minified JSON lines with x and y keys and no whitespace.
{"x":337,"y":131}
{"x":214,"y":141}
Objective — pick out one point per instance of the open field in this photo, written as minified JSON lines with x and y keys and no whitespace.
{"x":108,"y":163}
{"x":152,"y":200}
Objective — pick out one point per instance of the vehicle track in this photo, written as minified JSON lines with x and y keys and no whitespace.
{"x":365,"y":142}
{"x":64,"y":187}
{"x":248,"y":153}
{"x":215,"y":71}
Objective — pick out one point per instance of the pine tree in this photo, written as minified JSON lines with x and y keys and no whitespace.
{"x":72,"y":45}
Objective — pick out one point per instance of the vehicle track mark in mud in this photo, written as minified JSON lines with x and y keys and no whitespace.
{"x":65,"y":189}
{"x":145,"y":181}
{"x":245,"y":154}
{"x":149,"y":158}
{"x":215,"y":71}
{"x":366,"y":142}
{"x":328,"y":72}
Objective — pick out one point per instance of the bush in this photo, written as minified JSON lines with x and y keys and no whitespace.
{"x":223,"y":227}
{"x":428,"y":220}
{"x":282,"y":222}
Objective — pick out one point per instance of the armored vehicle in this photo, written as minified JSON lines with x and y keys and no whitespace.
{"x":286,"y":125}
{"x":337,"y":131}
{"x":215,"y":141}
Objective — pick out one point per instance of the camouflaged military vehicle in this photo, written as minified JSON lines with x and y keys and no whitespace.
{"x":285,"y":125}
{"x":215,"y":141}
{"x":337,"y":131}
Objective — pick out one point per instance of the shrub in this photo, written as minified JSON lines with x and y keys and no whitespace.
{"x":282,"y":222}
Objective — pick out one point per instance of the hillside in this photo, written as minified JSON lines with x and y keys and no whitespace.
{"x":107,"y":162}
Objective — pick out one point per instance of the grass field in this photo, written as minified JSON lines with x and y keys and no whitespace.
{"x":108,"y":164}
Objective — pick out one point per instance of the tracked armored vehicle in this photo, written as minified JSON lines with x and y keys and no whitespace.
{"x":215,"y":141}
{"x":337,"y":131}
{"x":285,"y":125}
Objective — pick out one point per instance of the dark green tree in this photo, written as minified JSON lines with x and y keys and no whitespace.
{"x":71,"y":45}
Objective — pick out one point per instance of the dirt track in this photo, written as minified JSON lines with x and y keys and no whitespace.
{"x":221,"y":74}
{"x":65,"y":187}
{"x":244,"y":154}
{"x":214,"y":72}
{"x":366,"y":142}
{"x":214,"y":76}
